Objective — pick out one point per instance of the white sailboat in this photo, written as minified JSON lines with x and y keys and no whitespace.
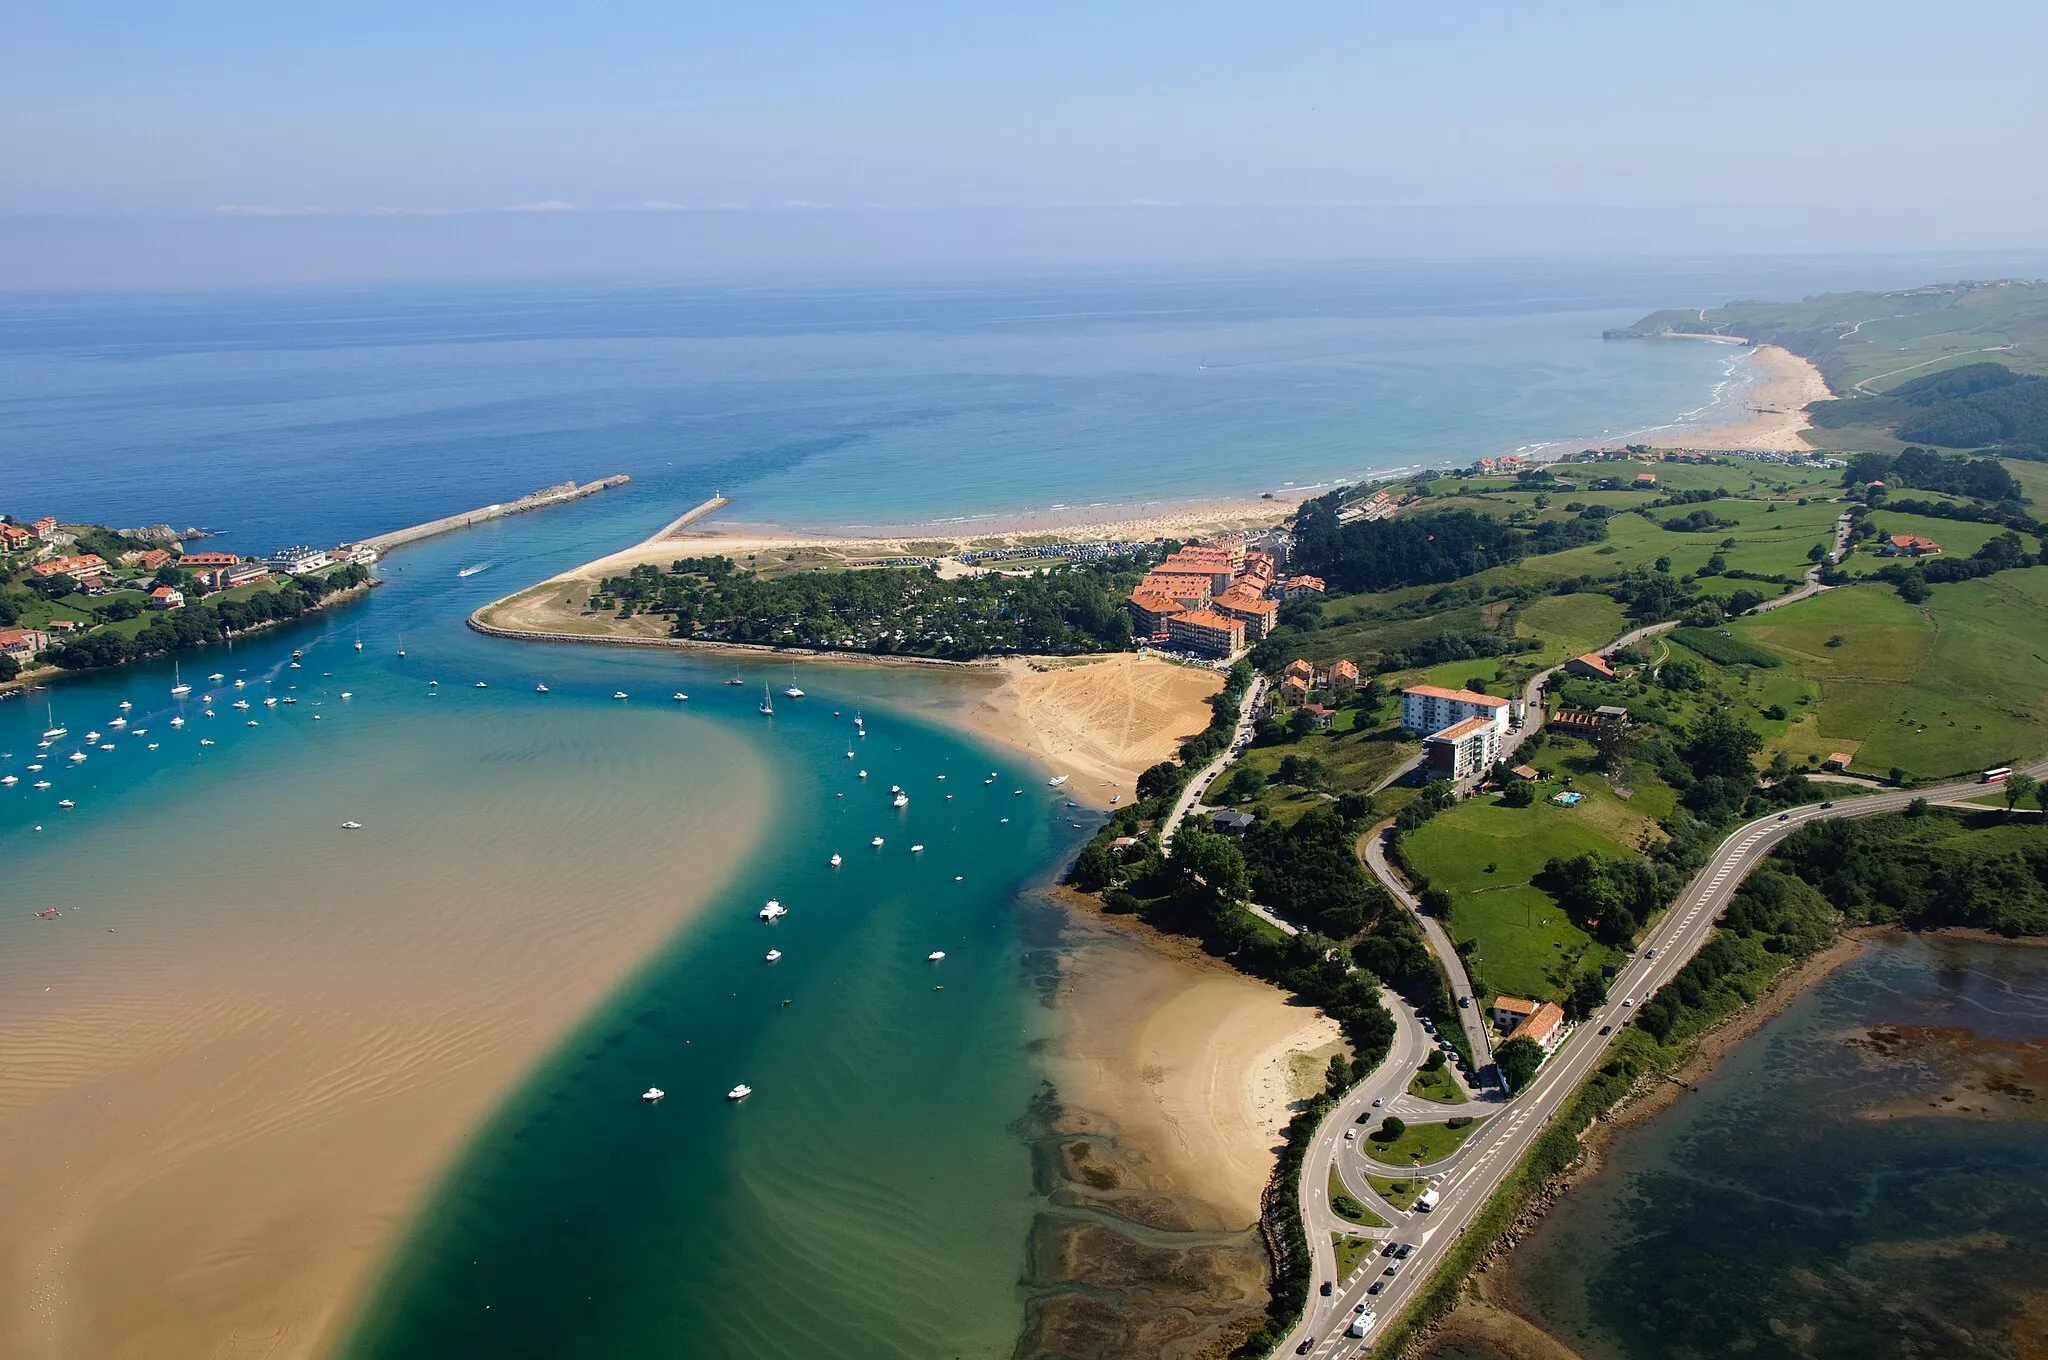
{"x":793,"y":692}
{"x":767,"y":704}
{"x":401,"y":644}
{"x":178,"y":685}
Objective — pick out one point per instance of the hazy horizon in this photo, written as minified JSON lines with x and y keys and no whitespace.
{"x":238,"y":143}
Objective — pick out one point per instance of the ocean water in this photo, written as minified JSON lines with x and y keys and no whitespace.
{"x":319,"y":415}
{"x":1810,"y":1201}
{"x":872,"y":1199}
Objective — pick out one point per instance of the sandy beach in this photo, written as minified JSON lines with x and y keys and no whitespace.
{"x":1181,"y":1058}
{"x":233,"y":1068}
{"x":1773,"y":413}
{"x":1099,"y":719}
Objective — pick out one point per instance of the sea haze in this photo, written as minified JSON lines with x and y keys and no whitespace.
{"x":283,"y":415}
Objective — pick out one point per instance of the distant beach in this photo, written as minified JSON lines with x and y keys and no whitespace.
{"x":1771,"y":409}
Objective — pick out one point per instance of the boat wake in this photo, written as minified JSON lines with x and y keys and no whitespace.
{"x":474,"y":569}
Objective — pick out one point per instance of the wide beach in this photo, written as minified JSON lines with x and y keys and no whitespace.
{"x":1775,"y":387}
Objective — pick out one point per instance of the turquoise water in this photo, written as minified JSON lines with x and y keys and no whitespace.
{"x":872,"y":1199}
{"x":1807,"y":1201}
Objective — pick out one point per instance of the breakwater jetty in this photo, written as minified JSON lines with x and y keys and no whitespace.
{"x":690,"y":516}
{"x":538,"y":500}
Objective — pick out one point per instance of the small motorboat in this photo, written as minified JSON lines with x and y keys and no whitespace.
{"x":241,"y":703}
{"x":351,"y":826}
{"x":481,"y":685}
{"x":740,"y":1092}
{"x":900,"y":800}
{"x":216,"y":677}
{"x":680,"y":697}
{"x":66,"y":803}
{"x":359,"y":647}
{"x":936,"y":956}
{"x":876,"y":842}
{"x":618,"y":694}
{"x":10,"y":780}
{"x":773,"y":956}
{"x":240,"y":683}
{"x":270,"y":702}
{"x":917,"y":849}
{"x":348,"y":694}
{"x":835,"y":856}
{"x":41,"y":784}
{"x":540,"y":689}
{"x":106,"y":746}
{"x":48,"y":914}
{"x":152,"y":746}
{"x":77,"y":756}
{"x":252,"y":722}
{"x":774,"y":911}
{"x":652,"y":1095}
{"x":863,"y":774}
{"x":118,"y":722}
{"x":1058,"y":780}
{"x":92,"y":737}
{"x":206,"y":741}
{"x":125,"y":705}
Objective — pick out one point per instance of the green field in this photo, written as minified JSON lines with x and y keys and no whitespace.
{"x":1485,"y":854}
{"x":2032,"y":477}
{"x":1419,"y":1143}
{"x":1945,"y":688}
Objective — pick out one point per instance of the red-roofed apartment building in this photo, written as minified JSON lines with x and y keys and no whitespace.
{"x":1301,"y":587}
{"x":1258,"y":616}
{"x":1150,"y":610}
{"x":1206,"y":633}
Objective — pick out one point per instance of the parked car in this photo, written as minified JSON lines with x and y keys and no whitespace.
{"x":1390,"y":1248}
{"x":1407,"y":1249}
{"x":1464,"y":1003}
{"x":1392,"y":1270}
{"x":1376,"y":1286}
{"x":1326,"y":1289}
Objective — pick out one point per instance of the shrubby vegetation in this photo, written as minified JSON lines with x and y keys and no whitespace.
{"x":1926,"y":871}
{"x":1926,"y":470}
{"x":1422,"y":549}
{"x":1060,"y":611}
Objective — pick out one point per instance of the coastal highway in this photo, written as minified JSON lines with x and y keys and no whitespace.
{"x":1467,"y":1180}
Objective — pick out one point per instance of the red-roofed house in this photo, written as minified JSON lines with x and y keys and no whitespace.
{"x":166,"y":597}
{"x":1591,"y":666}
{"x":84,"y":567}
{"x":22,"y":643}
{"x":1343,"y":676}
{"x":1544,"y":1026}
{"x":1910,"y":545}
{"x":13,"y":538}
{"x":45,"y":528}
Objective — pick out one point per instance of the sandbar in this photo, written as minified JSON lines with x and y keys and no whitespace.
{"x":243,"y":1055}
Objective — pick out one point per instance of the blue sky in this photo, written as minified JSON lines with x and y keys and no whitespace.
{"x":1804,"y":110}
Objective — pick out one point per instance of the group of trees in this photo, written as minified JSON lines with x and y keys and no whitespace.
{"x":1925,"y":470}
{"x":1421,"y":549}
{"x":1060,"y":611}
{"x":1923,"y":871}
{"x":1959,"y":408}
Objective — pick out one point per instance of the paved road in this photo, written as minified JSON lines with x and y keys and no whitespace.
{"x":1247,"y":710}
{"x":1493,"y":1151}
{"x":1471,"y":1017}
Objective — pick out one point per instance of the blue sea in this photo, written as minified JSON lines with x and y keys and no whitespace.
{"x":873,"y":1199}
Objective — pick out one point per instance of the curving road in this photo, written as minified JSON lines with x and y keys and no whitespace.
{"x":1240,"y":737}
{"x":1469,"y":1178}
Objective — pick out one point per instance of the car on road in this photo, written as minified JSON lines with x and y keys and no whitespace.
{"x":1627,"y":1001}
{"x":1376,"y":1286}
{"x":1377,"y":1101}
{"x":1350,"y":1135}
{"x":1326,"y":1289}
{"x":1406,"y":1250}
{"x":1650,"y":954}
{"x":1464,"y":1003}
{"x":1393,"y":1269}
{"x":1825,"y":806}
{"x":1607,"y":1029}
{"x":1308,"y":1344}
{"x":1784,"y":816}
{"x":1390,"y":1248}
{"x":1364,"y":1117}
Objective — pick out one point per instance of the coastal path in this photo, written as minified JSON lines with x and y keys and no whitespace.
{"x":1240,"y":737}
{"x":1480,"y":1166}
